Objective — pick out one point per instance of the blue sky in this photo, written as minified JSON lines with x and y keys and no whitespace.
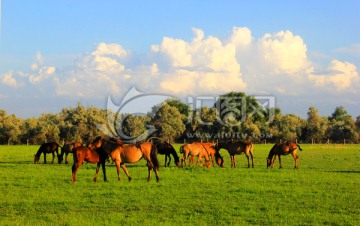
{"x":54,"y":54}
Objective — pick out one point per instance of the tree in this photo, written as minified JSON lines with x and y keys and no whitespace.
{"x":169,"y":122}
{"x":134,"y":127}
{"x":9,"y":128}
{"x":290,"y":128}
{"x":342,"y":126}
{"x":316,"y":126}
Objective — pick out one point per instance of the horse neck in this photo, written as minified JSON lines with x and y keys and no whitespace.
{"x":109,"y":146}
{"x":271,"y":153}
{"x":174,"y":154}
{"x":38,"y":153}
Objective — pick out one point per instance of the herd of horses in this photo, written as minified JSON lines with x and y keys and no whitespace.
{"x":102,"y":148}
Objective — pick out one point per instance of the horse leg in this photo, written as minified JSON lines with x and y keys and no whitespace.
{"x":252,"y":159}
{"x":149,"y":172}
{"x":97,"y":171}
{"x":104,"y":170}
{"x":44,"y":158}
{"x":66,"y":158}
{"x":280,"y":161}
{"x":233,"y":161}
{"x":53,"y":157}
{"x":74,"y":170}
{"x":157,"y":174}
{"x":273,"y":162}
{"x":126,"y":171}
{"x":248,"y":158}
{"x":117,"y":163}
{"x":169,"y":160}
{"x":296,"y":158}
{"x":212,"y":159}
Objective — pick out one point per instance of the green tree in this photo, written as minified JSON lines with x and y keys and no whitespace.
{"x":10,"y":128}
{"x":290,"y":127}
{"x":342,"y":126}
{"x":169,"y":122}
{"x":316,"y":126}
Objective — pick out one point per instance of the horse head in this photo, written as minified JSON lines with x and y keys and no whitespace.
{"x":36,"y":159}
{"x":219,"y":160}
{"x":268,"y":162}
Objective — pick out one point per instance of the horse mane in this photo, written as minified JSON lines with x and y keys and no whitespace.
{"x":108,"y":145}
{"x":272,"y":151}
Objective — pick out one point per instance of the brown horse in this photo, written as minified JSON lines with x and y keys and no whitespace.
{"x":283,"y":149}
{"x":89,"y":154}
{"x":195,"y":149}
{"x":213,"y":154}
{"x":122,"y":154}
{"x":66,"y":149}
{"x":238,"y":148}
{"x":47,"y":148}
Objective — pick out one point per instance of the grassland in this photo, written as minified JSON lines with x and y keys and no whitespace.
{"x":325,"y":190}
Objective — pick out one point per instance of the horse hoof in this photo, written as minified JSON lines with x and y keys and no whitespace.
{"x":130,"y":178}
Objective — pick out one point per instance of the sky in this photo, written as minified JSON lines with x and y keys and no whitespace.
{"x":55,"y":54}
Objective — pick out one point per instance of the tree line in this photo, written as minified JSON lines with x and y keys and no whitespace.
{"x":234,"y":116}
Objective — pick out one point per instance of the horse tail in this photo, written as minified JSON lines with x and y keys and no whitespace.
{"x":153,"y":157}
{"x":299,"y":147}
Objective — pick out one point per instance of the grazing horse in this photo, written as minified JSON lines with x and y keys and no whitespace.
{"x":238,"y":148}
{"x":283,"y":149}
{"x":213,"y":154}
{"x":89,"y":154}
{"x":122,"y":154}
{"x":195,"y":149}
{"x":165,"y":148}
{"x":66,"y":149}
{"x":47,"y":148}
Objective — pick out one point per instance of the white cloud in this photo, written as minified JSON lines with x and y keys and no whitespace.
{"x":203,"y":65}
{"x":284,"y":52}
{"x":241,"y":37}
{"x":341,"y":76}
{"x":9,"y":80}
{"x":42,"y":74}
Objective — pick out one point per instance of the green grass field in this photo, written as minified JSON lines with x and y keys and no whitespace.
{"x":324,"y":190}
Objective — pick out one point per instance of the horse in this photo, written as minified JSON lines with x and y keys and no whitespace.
{"x":47,"y":148}
{"x":195,"y":149}
{"x":213,"y":154}
{"x":283,"y":149}
{"x":238,"y":148}
{"x":121,"y":154}
{"x":66,"y":149}
{"x":165,"y":148}
{"x":89,"y":154}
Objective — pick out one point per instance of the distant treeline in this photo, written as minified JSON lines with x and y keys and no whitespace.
{"x":233,"y":116}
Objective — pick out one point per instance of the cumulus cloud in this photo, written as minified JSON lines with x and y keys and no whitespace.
{"x":341,"y":76}
{"x":9,"y":80}
{"x":95,"y":74}
{"x":284,"y":52}
{"x":204,"y":65}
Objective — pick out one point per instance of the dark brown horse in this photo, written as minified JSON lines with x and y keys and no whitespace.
{"x":283,"y":149}
{"x":165,"y":148}
{"x":47,"y":148}
{"x":195,"y":149}
{"x":89,"y":154}
{"x":66,"y":149}
{"x":238,"y":148}
{"x":122,"y":154}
